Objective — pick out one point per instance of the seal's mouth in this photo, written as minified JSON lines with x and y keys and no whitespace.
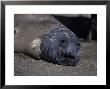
{"x":69,"y":56}
{"x":70,"y":60}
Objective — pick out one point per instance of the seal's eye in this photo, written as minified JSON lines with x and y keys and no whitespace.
{"x":62,"y":41}
{"x":78,"y":44}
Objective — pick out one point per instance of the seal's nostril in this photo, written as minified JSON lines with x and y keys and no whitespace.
{"x":69,"y":53}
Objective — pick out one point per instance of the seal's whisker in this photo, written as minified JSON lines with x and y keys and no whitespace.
{"x":59,"y":61}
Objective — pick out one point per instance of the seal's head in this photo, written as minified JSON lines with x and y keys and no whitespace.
{"x":60,"y":46}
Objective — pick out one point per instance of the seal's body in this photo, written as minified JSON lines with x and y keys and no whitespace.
{"x":42,"y":36}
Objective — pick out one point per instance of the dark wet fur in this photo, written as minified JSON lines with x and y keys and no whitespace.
{"x":59,"y":48}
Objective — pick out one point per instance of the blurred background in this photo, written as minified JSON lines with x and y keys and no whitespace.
{"x":84,"y":26}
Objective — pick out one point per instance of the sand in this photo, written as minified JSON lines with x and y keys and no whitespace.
{"x":27,"y":66}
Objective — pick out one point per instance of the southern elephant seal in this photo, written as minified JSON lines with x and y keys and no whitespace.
{"x":43,"y":37}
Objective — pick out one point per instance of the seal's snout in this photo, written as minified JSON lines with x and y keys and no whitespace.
{"x":71,"y":50}
{"x":69,"y":54}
